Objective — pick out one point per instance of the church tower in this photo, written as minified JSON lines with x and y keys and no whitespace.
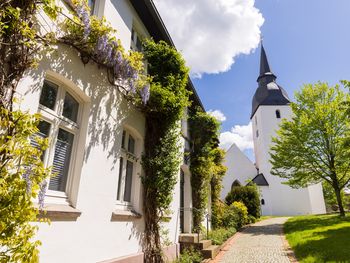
{"x":269,"y":106}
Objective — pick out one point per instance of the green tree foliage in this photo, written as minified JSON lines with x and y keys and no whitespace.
{"x":310,"y":148}
{"x":21,"y":176}
{"x":161,"y":159}
{"x":248,"y":195}
{"x":204,"y":135}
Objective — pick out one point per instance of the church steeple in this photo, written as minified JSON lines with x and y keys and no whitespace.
{"x":264,"y":64}
{"x":268,"y":91}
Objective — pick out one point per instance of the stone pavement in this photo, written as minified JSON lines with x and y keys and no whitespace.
{"x":262,"y":242}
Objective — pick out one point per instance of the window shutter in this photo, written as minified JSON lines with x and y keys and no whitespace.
{"x":61,"y":160}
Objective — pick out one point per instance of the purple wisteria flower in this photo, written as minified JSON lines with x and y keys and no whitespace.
{"x":41,"y":195}
{"x":145,"y":93}
{"x":84,"y":16}
{"x":26,"y":177}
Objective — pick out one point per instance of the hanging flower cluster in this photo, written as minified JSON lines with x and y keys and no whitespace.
{"x":94,"y":39}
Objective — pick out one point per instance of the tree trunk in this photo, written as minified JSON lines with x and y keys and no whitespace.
{"x":339,"y":200}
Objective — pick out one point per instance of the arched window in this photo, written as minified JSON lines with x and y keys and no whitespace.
{"x":235,"y":183}
{"x":127,"y":167}
{"x":262,"y":202}
{"x":60,"y":122}
{"x":278,"y":114}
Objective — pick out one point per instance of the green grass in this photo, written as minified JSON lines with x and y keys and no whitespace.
{"x":323,"y":238}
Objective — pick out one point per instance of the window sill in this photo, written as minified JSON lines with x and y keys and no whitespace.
{"x":59,"y":212}
{"x":125,"y":215}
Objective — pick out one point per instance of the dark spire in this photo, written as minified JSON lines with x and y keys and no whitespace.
{"x":268,"y":91}
{"x":264,"y":64}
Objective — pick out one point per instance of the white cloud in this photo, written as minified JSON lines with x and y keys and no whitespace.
{"x":211,"y":33}
{"x":241,"y":135}
{"x":217,"y":114}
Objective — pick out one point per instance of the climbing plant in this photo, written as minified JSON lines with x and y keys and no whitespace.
{"x":218,"y":171}
{"x":161,"y":158}
{"x":21,"y":170}
{"x":205,"y":161}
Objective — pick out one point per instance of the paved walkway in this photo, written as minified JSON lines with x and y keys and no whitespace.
{"x":263,"y":242}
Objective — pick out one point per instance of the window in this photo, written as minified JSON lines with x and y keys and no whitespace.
{"x":136,"y":41}
{"x":262,"y":201}
{"x":257,"y":133}
{"x":91,"y":4}
{"x":127,"y":167}
{"x":278,"y":114}
{"x":60,"y":113}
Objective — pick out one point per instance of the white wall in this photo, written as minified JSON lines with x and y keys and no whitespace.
{"x":239,"y":167}
{"x":283,"y":199}
{"x":94,"y":236}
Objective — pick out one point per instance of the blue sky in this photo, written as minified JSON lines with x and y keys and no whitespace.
{"x":305,"y":40}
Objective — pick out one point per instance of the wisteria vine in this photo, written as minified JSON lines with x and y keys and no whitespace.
{"x":95,"y":40}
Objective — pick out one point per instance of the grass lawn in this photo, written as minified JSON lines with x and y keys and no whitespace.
{"x":324,"y":238}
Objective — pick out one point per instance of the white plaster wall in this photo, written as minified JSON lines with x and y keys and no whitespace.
{"x":284,"y":200}
{"x":317,"y":204}
{"x":94,"y":237}
{"x":238,"y":167}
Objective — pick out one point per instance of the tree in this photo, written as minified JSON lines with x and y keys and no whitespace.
{"x":310,"y":148}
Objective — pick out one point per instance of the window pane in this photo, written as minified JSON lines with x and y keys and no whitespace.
{"x":61,"y":161}
{"x":131,"y":144}
{"x":44,"y":129}
{"x":70,"y":107}
{"x":91,"y":4}
{"x":120,"y":178}
{"x":123,"y":140}
{"x":48,"y":95}
{"x":128,"y":181}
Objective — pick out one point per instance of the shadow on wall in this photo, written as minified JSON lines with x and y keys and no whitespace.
{"x":107,"y":108}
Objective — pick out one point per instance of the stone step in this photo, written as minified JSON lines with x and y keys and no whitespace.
{"x":204,"y":244}
{"x":211,"y":251}
{"x":190,"y":238}
{"x":198,"y":246}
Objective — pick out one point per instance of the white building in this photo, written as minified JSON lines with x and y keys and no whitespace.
{"x":96,"y":141}
{"x":270,"y":104}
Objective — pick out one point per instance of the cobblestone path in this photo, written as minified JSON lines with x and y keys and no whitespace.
{"x":263,"y":242}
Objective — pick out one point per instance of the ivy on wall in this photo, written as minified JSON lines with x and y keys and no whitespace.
{"x":161,"y":159}
{"x":206,"y":163}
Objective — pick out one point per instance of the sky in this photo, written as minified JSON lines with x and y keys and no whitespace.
{"x":305,"y":40}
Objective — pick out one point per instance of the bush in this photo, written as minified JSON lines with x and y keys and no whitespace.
{"x":220,"y":235}
{"x":251,"y":219}
{"x":248,"y":195}
{"x":242,"y":213}
{"x":218,"y":211}
{"x":189,"y":256}
{"x":230,"y":217}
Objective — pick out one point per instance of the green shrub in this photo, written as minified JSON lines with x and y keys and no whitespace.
{"x":230,"y":218}
{"x":220,"y":235}
{"x":248,"y":195}
{"x":189,"y":256}
{"x":251,"y":219}
{"x":218,"y":211}
{"x":242,"y":213}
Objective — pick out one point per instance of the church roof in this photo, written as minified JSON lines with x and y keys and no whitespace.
{"x":260,"y":180}
{"x":268,"y":91}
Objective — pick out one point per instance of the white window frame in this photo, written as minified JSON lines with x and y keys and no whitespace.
{"x":127,"y":156}
{"x":57,"y":121}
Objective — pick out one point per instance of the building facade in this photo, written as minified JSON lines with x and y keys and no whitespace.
{"x":96,"y":141}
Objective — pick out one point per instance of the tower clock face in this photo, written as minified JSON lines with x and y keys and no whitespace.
{"x":272,"y":86}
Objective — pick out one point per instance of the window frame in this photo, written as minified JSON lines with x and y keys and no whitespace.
{"x":57,"y":121}
{"x":126,"y":156}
